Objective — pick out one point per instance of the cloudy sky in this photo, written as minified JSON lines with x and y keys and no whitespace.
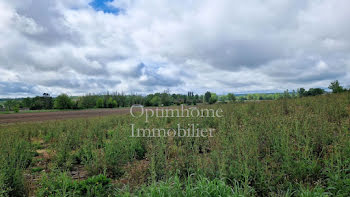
{"x":144,"y":46}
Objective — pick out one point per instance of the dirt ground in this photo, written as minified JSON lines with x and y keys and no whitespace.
{"x":43,"y":116}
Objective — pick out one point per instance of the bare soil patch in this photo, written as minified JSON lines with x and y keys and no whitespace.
{"x":44,"y":116}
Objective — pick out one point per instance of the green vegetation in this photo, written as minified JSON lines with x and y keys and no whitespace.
{"x":63,"y":102}
{"x":287,"y":147}
{"x":312,"y":92}
{"x":60,"y":184}
{"x":89,"y":101}
{"x":336,"y":88}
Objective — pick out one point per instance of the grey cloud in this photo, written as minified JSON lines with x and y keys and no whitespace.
{"x":237,"y":45}
{"x":16,"y":88}
{"x":233,"y":83}
{"x":304,"y":71}
{"x":242,"y":54}
{"x":84,"y":84}
{"x":46,"y":15}
{"x":155,"y":79}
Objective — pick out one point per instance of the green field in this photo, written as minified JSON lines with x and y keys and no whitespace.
{"x":287,"y":147}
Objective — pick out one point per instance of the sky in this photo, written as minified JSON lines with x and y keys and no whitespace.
{"x":146,"y":46}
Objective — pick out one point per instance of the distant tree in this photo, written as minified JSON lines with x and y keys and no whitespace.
{"x":87,"y":101}
{"x":63,"y":101}
{"x":207,"y":96}
{"x":311,"y":92}
{"x":213,"y":100}
{"x":286,"y":94}
{"x":242,"y":98}
{"x":194,"y":102}
{"x":301,"y":92}
{"x":148,"y":100}
{"x":27,"y":102}
{"x":315,"y":91}
{"x":155,"y":101}
{"x":47,"y":102}
{"x":16,"y":108}
{"x":335,"y":87}
{"x":36,"y":103}
{"x":223,"y":98}
{"x":165,"y":99}
{"x":114,"y":104}
{"x":231,"y":97}
{"x":75,"y":104}
{"x":10,"y":105}
{"x":100,"y":103}
{"x":111,"y":103}
{"x":250,"y":97}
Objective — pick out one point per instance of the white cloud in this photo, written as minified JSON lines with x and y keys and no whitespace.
{"x":223,"y":46}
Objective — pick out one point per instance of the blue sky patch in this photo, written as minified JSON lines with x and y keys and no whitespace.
{"x":102,"y":5}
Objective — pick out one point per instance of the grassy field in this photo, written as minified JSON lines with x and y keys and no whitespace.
{"x":288,"y":147}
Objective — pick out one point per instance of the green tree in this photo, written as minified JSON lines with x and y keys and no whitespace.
{"x":231,"y":97}
{"x":315,"y":91}
{"x":111,"y":103}
{"x":155,"y":101}
{"x":301,"y":92}
{"x":250,"y":97}
{"x":63,"y":101}
{"x":16,"y":109}
{"x":335,"y":87}
{"x":8,"y":105}
{"x":165,"y":99}
{"x":213,"y":100}
{"x":286,"y":94}
{"x":27,"y":102}
{"x":207,"y":96}
{"x":100,"y":103}
{"x":115,"y":104}
{"x":11,"y":104}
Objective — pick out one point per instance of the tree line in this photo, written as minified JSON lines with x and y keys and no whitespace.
{"x":115,"y":100}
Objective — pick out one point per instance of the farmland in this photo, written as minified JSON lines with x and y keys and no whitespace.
{"x":286,"y":147}
{"x":33,"y":115}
